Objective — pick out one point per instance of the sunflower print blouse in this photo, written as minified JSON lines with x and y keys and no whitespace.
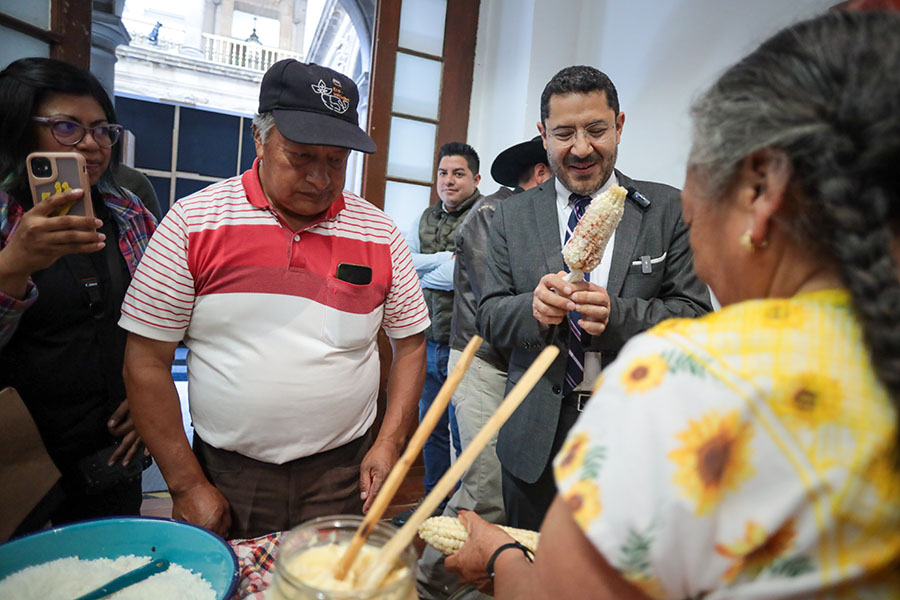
{"x":746,"y":454}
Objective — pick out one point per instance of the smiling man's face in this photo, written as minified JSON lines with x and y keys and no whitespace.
{"x":455,"y":180}
{"x":581,"y":134}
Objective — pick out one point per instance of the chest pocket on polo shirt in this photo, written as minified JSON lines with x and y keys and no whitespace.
{"x":353,"y":313}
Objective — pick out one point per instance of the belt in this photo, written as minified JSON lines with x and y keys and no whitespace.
{"x":578,"y":399}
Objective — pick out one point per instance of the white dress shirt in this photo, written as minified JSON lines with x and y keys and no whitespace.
{"x":599,"y":276}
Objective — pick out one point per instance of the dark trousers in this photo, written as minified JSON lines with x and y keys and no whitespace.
{"x":68,"y":501}
{"x":266,"y":497}
{"x":526,"y":503}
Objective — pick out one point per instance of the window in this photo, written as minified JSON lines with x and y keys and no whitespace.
{"x":52,"y":28}
{"x":419,"y":100}
{"x":172,"y":145}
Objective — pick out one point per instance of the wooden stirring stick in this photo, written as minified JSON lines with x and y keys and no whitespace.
{"x":383,"y":562}
{"x":395,"y":478}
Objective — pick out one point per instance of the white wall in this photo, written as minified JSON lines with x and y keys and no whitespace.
{"x":659,"y":53}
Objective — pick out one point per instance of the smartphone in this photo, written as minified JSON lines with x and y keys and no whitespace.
{"x":357,"y":274}
{"x":98,"y":476}
{"x":50,"y":173}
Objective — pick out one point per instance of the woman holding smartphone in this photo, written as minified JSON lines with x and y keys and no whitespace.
{"x":62,"y":281}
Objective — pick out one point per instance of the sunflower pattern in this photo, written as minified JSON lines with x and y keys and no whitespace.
{"x":757,"y":550}
{"x":705,"y":432}
{"x":571,"y":456}
{"x":713,"y":458}
{"x":644,"y":373}
{"x":810,"y":399}
{"x":584,"y":500}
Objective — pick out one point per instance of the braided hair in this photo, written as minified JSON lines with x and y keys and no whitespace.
{"x":825,"y":94}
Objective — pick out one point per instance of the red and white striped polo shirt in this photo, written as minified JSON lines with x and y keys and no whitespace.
{"x":283,"y":361}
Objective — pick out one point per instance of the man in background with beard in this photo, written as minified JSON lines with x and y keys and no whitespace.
{"x":646,"y":276}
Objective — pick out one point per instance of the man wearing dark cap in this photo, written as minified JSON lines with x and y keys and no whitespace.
{"x":278,"y":281}
{"x":482,"y":388}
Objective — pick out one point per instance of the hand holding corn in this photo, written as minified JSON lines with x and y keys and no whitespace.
{"x":448,"y":534}
{"x":585,"y":247}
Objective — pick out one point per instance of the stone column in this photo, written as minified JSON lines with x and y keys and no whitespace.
{"x":210,"y":12}
{"x":107,"y":32}
{"x":193,"y":26}
{"x":285,"y":26}
{"x":299,"y":25}
{"x":224,"y":16}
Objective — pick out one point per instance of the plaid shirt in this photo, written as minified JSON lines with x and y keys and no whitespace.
{"x":135,"y":225}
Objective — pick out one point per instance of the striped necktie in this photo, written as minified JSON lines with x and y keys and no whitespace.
{"x":575,"y":364}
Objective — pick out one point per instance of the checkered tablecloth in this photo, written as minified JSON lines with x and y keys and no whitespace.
{"x":256,"y":563}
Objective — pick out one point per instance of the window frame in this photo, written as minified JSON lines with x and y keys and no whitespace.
{"x":65,"y":37}
{"x":460,"y":30}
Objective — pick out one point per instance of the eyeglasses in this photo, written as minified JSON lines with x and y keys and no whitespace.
{"x":567,"y":136}
{"x":70,"y":133}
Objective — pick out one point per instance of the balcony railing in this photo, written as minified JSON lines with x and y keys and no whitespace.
{"x":235,"y":53}
{"x":162,"y":44}
{"x":214,"y":48}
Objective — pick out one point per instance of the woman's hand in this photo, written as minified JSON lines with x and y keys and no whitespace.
{"x":121,"y":425}
{"x":472,"y":559}
{"x":41,"y":238}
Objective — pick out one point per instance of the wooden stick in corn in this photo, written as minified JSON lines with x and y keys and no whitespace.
{"x":448,"y":534}
{"x":381,"y":564}
{"x":585,"y":247}
{"x":398,"y":472}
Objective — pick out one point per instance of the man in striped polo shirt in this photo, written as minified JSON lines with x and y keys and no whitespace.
{"x":278,"y":281}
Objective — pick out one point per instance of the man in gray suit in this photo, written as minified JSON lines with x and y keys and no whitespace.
{"x":646,"y":276}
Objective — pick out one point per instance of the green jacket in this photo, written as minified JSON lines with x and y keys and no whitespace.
{"x":437,"y":233}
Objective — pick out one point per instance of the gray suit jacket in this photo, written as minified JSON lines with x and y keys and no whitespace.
{"x":525,"y":246}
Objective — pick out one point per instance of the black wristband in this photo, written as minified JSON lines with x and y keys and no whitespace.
{"x":525,"y":550}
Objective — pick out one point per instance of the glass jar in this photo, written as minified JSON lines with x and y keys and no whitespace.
{"x":337,"y":529}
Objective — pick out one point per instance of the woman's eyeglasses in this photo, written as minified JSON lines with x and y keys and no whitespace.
{"x":70,"y":133}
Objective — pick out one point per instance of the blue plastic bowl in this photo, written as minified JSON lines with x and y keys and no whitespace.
{"x":190,"y":546}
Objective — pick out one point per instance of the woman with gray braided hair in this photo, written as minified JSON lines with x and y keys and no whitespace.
{"x":753,"y":453}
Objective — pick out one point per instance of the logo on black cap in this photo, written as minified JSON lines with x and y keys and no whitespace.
{"x":332,"y":97}
{"x":285,"y":91}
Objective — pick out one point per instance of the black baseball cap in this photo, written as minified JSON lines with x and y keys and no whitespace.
{"x":313,"y":105}
{"x":509,"y":164}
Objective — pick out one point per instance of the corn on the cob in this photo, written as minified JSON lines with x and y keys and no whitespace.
{"x":585,"y":247}
{"x":448,"y":534}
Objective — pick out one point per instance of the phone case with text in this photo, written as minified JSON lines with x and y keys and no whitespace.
{"x":67,"y":171}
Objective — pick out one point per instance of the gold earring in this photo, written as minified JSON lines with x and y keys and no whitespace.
{"x":748,"y":244}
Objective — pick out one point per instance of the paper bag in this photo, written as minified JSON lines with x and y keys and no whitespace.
{"x":26,"y":471}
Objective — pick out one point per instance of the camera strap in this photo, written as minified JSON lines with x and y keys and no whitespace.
{"x":92,"y":292}
{"x":91,"y":287}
